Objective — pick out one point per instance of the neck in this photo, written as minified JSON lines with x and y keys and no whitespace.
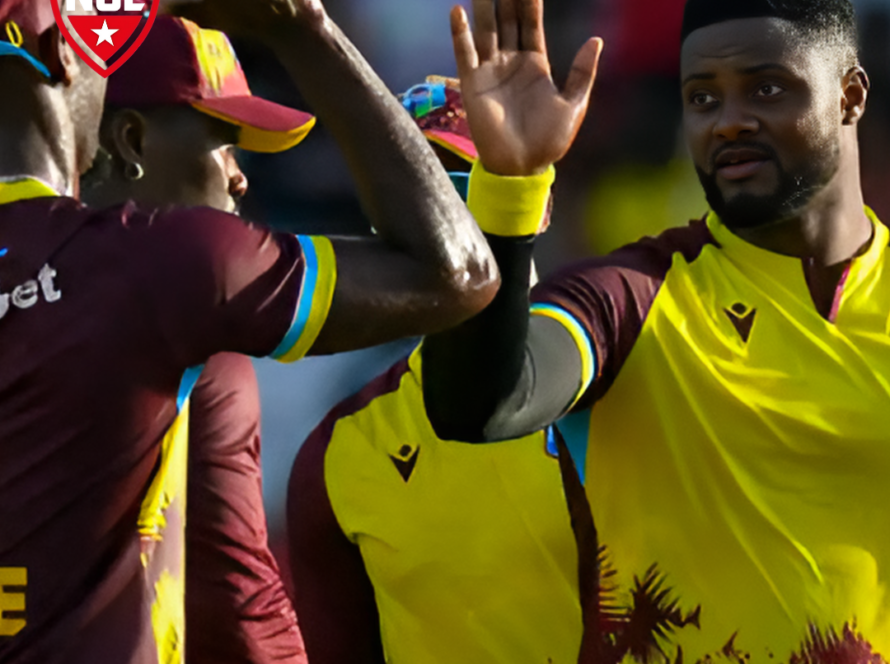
{"x":104,"y":186}
{"x":832,"y":229}
{"x":36,"y":133}
{"x":33,"y":159}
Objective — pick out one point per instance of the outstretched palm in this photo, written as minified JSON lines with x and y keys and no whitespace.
{"x":520,"y":121}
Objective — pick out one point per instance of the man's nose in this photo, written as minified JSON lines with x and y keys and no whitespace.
{"x":735,"y":121}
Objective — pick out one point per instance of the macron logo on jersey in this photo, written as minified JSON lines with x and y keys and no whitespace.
{"x":742,"y":318}
{"x":26,"y":295}
{"x":107,"y":33}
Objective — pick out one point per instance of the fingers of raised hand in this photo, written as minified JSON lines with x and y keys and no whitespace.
{"x":464,"y":46}
{"x":508,"y":25}
{"x":531,"y":22}
{"x":485,"y":28}
{"x":580,"y":81}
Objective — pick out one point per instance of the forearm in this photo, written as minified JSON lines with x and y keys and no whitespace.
{"x":470,"y":369}
{"x":403,"y":188}
{"x":502,"y":374}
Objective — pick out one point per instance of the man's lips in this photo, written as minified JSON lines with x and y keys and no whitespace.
{"x":739,"y":164}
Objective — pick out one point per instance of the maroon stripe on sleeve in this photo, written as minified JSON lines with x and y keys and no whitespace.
{"x":333,"y":595}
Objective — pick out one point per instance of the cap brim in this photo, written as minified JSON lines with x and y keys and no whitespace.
{"x":460,"y":145}
{"x":265,"y":125}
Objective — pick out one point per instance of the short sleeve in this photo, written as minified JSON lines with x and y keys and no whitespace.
{"x":215,"y":283}
{"x":603,"y":302}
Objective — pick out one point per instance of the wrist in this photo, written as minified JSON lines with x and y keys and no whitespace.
{"x":517,"y":172}
{"x":510,"y":206}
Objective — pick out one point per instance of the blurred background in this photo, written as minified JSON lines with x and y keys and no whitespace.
{"x":627,"y":176}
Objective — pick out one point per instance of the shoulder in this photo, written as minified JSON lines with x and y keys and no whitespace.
{"x":633,"y":272}
{"x":230,"y":368}
{"x":312,"y":452}
{"x":610,"y":296}
{"x":201,"y":226}
{"x":227,"y":380}
{"x":649,"y":257}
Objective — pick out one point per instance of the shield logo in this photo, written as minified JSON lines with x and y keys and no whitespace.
{"x":105,"y":36}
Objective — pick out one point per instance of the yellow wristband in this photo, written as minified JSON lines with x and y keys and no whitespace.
{"x":509,"y":206}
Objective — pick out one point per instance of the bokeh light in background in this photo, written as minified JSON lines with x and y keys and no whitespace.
{"x":628,"y":174}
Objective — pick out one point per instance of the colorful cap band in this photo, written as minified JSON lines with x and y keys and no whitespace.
{"x":437,"y":108}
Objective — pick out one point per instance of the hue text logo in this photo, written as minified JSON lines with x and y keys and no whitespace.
{"x":105,"y":33}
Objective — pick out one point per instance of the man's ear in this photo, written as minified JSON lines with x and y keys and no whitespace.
{"x":58,"y":56}
{"x":855,"y":95}
{"x":127,"y":136}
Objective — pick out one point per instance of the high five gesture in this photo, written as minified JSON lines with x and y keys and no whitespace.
{"x":521,"y":122}
{"x":428,"y":267}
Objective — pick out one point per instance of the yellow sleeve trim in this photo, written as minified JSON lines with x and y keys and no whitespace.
{"x":20,"y":189}
{"x":509,"y":206}
{"x":582,"y":340}
{"x":316,"y":295}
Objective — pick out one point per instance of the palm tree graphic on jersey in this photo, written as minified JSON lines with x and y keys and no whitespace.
{"x":642,"y":629}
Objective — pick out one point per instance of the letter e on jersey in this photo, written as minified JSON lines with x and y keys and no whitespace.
{"x":13,"y":581}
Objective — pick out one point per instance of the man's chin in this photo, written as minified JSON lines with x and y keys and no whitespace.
{"x":746,"y":211}
{"x":750,"y":203}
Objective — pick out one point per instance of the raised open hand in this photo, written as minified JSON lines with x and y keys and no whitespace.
{"x":520,"y":121}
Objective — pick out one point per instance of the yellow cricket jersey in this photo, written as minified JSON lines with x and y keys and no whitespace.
{"x":468,"y":550}
{"x":739,"y":449}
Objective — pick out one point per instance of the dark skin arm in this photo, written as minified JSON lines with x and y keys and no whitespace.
{"x":500,"y":375}
{"x":428,"y":267}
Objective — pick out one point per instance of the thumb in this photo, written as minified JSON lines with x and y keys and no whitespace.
{"x":581,"y":77}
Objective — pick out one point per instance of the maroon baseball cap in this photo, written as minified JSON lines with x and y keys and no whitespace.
{"x":437,"y":107}
{"x":181,"y":63}
{"x":21,"y":24}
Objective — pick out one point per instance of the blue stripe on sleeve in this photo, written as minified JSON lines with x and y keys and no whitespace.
{"x":304,"y":305}
{"x":575,"y":430}
{"x":189,"y":379}
{"x":579,"y":334}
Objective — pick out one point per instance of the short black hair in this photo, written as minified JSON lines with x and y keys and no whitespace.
{"x":827,"y":23}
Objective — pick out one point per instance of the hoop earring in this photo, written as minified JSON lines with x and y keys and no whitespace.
{"x":134,"y":171}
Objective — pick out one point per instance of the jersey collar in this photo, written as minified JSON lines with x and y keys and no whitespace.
{"x":865,"y":265}
{"x":786,"y":271}
{"x":23,"y":187}
{"x":745,"y":253}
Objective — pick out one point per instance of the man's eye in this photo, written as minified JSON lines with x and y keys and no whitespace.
{"x":701,"y":99}
{"x":768,"y":90}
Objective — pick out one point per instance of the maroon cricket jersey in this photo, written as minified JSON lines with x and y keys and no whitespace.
{"x":102,"y":313}
{"x":237,"y":610}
